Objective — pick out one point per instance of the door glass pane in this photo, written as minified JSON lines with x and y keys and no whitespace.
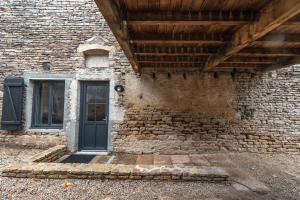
{"x":44,"y":104}
{"x":100,"y":112}
{"x":58,"y":103}
{"x":91,"y":93}
{"x":90,"y":112}
{"x":100,"y":94}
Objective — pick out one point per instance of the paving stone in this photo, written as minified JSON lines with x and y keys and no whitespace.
{"x":100,"y":159}
{"x":162,"y":160}
{"x":145,"y":159}
{"x":124,"y":158}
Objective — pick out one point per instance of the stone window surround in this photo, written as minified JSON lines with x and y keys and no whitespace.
{"x":72,"y":96}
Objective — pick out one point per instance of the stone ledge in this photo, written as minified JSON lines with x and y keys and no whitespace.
{"x":48,"y":155}
{"x":115,"y":171}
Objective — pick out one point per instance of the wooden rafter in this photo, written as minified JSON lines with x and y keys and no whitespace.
{"x":111,"y":13}
{"x":272,"y":16}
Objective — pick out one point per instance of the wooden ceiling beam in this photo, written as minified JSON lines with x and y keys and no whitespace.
{"x":212,"y":38}
{"x":186,"y":23}
{"x":199,"y":65}
{"x":271,"y":16}
{"x":170,"y":42}
{"x":192,"y":62}
{"x":186,"y":51}
{"x":241,"y":60}
{"x":111,"y":13}
{"x":190,"y":18}
{"x":184,"y":38}
{"x":197,"y":23}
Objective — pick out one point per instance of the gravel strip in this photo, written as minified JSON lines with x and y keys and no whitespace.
{"x":12,"y":188}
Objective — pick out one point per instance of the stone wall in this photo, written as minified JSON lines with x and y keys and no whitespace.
{"x":37,"y":33}
{"x":247,"y":112}
{"x":176,"y":114}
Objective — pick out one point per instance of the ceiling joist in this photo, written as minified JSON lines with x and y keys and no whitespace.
{"x":206,"y":34}
{"x":272,"y":16}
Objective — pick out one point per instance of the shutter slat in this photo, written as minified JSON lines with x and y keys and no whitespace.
{"x":12,"y":104}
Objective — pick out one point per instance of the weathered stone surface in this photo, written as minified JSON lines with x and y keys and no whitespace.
{"x":251,"y":112}
{"x":114,"y":171}
{"x":144,"y":159}
{"x":162,"y":160}
{"x":199,"y":160}
{"x":48,"y":155}
{"x":181,"y":159}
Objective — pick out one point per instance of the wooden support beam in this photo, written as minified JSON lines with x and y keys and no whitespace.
{"x":283,"y":64}
{"x":111,"y":13}
{"x":272,"y":16}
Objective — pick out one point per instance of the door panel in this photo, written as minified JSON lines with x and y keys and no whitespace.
{"x":94,"y":115}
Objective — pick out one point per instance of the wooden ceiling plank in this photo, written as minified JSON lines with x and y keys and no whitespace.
{"x":271,"y":16}
{"x":111,"y":14}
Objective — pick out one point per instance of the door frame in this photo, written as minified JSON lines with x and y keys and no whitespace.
{"x":81,"y":111}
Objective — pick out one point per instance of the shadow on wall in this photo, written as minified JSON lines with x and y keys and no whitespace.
{"x":202,"y":94}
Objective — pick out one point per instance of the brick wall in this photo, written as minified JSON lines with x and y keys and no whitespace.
{"x":250,"y":112}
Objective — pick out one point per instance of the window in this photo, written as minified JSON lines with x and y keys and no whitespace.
{"x":48,"y":104}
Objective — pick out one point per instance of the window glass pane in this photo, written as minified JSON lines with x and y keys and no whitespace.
{"x":44,"y":104}
{"x":58,"y":90}
{"x":50,"y":103}
{"x":100,"y":112}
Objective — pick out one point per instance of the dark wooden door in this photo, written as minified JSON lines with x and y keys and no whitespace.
{"x":94,"y":115}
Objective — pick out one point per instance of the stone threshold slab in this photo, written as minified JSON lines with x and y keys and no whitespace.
{"x":115,"y":171}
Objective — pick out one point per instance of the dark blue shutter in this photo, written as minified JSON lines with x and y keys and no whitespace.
{"x":12,"y":104}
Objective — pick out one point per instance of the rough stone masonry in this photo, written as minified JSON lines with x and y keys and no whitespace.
{"x":171,"y":114}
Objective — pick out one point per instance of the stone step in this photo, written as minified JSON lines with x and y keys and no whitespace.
{"x":115,"y":171}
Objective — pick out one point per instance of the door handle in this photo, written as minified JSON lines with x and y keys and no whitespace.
{"x":105,"y":119}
